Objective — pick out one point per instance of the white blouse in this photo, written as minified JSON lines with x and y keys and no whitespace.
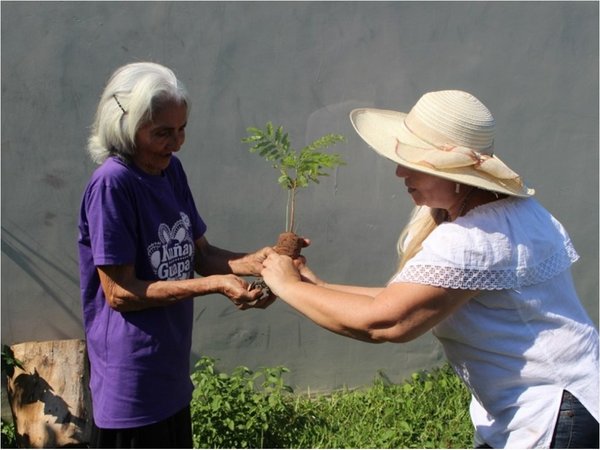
{"x":525,"y":337}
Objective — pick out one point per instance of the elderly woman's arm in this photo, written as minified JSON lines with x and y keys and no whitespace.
{"x":220,"y":270}
{"x":211,"y":260}
{"x":125,"y":292}
{"x":398,"y":313}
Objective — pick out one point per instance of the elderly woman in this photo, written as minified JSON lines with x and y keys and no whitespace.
{"x":484,"y":266}
{"x":140,"y":241}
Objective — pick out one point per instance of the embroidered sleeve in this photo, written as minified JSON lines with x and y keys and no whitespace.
{"x":486,"y":279}
{"x":507,"y":244}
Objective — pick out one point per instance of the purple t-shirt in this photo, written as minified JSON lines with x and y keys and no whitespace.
{"x":139,"y":360}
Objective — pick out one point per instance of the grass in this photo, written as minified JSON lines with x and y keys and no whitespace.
{"x":247,"y":409}
{"x":256,"y":409}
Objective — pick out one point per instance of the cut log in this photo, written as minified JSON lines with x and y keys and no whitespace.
{"x":50,"y":399}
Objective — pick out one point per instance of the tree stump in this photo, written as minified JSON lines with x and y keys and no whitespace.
{"x":50,"y":399}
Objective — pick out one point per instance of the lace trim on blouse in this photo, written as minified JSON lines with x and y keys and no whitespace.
{"x":488,"y":279}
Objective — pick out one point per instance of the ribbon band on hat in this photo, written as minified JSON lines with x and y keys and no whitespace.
{"x":448,"y":156}
{"x":452,"y":157}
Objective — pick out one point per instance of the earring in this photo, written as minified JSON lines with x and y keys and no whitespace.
{"x":457,"y":188}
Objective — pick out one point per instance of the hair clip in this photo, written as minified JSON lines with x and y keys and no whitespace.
{"x":119,"y":103}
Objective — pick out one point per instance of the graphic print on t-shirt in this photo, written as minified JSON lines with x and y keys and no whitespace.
{"x":172,"y":256}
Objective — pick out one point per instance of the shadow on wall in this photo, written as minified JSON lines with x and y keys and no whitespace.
{"x":55,"y":277}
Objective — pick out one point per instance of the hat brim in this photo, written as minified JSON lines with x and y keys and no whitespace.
{"x":385,"y":132}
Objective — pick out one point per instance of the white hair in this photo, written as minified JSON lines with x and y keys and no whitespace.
{"x":131,"y":95}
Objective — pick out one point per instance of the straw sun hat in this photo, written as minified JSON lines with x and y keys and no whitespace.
{"x":449,"y":134}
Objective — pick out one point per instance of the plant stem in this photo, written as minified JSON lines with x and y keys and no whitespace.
{"x":287,"y":211}
{"x":292,"y":207}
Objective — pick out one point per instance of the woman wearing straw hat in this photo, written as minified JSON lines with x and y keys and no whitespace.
{"x":484,"y":266}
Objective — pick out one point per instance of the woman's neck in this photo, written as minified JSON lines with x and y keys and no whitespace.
{"x":474,"y":197}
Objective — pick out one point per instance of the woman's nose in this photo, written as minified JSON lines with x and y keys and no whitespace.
{"x":177,"y":141}
{"x":402,"y":172}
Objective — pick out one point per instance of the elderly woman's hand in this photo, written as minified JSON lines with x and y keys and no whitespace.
{"x":254,"y":261}
{"x":236,"y":289}
{"x":265,"y":299}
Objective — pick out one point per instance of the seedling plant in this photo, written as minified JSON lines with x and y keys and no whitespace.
{"x":297,"y":168}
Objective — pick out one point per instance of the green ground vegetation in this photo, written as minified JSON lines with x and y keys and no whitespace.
{"x":247,"y":409}
{"x":256,"y":409}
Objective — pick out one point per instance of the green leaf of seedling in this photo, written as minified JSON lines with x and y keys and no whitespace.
{"x":285,"y":181}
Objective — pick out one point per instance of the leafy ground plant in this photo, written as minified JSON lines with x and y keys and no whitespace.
{"x":296,"y":168}
{"x":249,"y":409}
{"x":9,"y":362}
{"x":244,"y":409}
{"x":9,"y":439}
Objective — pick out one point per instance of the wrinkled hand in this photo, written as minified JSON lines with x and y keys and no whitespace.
{"x":266,"y":297}
{"x":278,"y":271}
{"x":254,"y":261}
{"x":236,"y":289}
{"x":305,"y":242}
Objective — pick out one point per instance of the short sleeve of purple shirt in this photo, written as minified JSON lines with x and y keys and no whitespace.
{"x":139,"y":360}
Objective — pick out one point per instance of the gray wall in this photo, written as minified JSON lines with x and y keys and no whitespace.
{"x":305,"y":66}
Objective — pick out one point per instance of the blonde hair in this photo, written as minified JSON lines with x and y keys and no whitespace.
{"x":423,"y":221}
{"x":131,"y":95}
